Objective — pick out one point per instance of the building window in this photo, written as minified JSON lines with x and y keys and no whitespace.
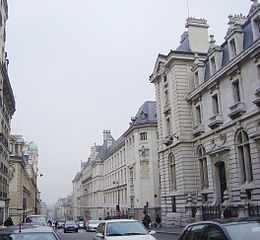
{"x":196,"y":79}
{"x":202,"y":158}
{"x":172,"y":172}
{"x":132,"y":202}
{"x":143,"y":136}
{"x":257,"y":26}
{"x":198,"y":115}
{"x":131,"y":173}
{"x":173,"y":204}
{"x":244,"y":156}
{"x":233,"y":48}
{"x":166,"y":97}
{"x":168,"y":126}
{"x":213,"y":65}
{"x":215,"y":104}
{"x":236,"y":91}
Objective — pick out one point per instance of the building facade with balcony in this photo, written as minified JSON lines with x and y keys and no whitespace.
{"x":208,"y":120}
{"x":7,"y":109}
{"x":121,"y":177}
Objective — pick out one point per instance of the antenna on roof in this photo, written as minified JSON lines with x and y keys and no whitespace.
{"x":188,"y":8}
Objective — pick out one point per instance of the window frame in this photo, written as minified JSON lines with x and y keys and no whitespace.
{"x":215,"y":104}
{"x":236,"y":89}
{"x":203,"y":167}
{"x":172,"y":172}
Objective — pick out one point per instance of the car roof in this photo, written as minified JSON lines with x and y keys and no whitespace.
{"x":27,"y":228}
{"x":227,"y":221}
{"x":120,"y":220}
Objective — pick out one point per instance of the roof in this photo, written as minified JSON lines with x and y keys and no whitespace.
{"x":247,"y":42}
{"x":145,"y":114}
{"x":27,"y":228}
{"x":120,"y":220}
{"x":184,"y":44}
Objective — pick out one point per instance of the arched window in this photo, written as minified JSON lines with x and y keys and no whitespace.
{"x":203,"y":167}
{"x":172,"y":172}
{"x":244,"y":156}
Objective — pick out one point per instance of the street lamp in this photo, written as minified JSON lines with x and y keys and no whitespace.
{"x":118,"y":198}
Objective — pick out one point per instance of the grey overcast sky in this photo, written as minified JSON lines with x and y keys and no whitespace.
{"x":78,"y":67}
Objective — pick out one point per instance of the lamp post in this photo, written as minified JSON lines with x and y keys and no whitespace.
{"x":118,"y":197}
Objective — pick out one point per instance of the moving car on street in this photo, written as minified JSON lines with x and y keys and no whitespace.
{"x":92,"y":225}
{"x":81,"y":224}
{"x":232,"y":229}
{"x":29,"y":232}
{"x":60,"y":224}
{"x":127,"y":229}
{"x":37,"y":219}
{"x":70,"y":226}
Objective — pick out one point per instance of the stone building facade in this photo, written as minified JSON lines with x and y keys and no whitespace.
{"x":23,"y":192}
{"x":7,"y":109}
{"x":208,"y":120}
{"x":121,"y":177}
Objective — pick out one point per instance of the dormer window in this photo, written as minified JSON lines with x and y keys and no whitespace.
{"x":257,"y":26}
{"x":233,"y":48}
{"x":213,"y":65}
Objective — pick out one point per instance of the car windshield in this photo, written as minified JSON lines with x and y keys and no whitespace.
{"x":244,"y":231}
{"x":28,"y":236}
{"x":94,"y":222}
{"x":70,"y":222}
{"x":125,"y":228}
{"x":37,"y":219}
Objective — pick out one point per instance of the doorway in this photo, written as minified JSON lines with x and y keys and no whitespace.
{"x":222,"y":180}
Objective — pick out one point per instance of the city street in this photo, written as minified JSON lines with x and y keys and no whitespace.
{"x":83,"y":235}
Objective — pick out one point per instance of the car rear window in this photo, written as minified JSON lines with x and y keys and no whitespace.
{"x":28,"y":236}
{"x":244,"y":231}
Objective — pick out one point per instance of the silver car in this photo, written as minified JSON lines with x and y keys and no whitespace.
{"x":92,"y":225}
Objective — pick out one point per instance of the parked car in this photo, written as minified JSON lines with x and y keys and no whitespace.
{"x":29,"y":232}
{"x":81,"y":224}
{"x":70,"y":226}
{"x":37,"y":219}
{"x":128,"y":229}
{"x":232,"y":229}
{"x":92,"y":225}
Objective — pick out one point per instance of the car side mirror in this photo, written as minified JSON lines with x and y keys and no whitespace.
{"x":99,"y":235}
{"x":152,"y":232}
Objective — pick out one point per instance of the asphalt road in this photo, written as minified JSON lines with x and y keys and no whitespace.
{"x":83,"y":235}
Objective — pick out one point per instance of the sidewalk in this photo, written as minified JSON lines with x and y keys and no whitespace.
{"x":169,"y":230}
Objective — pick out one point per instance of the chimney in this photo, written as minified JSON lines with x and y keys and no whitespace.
{"x":198,"y":35}
{"x":107,"y":138}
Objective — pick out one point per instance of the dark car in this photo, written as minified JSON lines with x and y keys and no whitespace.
{"x":70,"y":226}
{"x":29,"y":232}
{"x":232,"y":229}
{"x":60,"y":224}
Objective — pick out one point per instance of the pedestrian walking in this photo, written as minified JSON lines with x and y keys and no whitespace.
{"x":146,"y":220}
{"x":158,"y":221}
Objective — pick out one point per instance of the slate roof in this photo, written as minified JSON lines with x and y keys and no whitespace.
{"x":247,"y":42}
{"x":184,"y":44}
{"x":145,"y":114}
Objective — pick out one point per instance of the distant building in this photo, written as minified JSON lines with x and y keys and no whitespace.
{"x":208,"y":120}
{"x":121,"y":177}
{"x":23,"y":192}
{"x":63,"y":209}
{"x":7,"y":109}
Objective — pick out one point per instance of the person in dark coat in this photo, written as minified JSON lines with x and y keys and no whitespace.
{"x":146,"y":220}
{"x":8,"y":222}
{"x":158,"y":221}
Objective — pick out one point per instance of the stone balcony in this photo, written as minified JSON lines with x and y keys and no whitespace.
{"x":257,"y":100}
{"x":198,"y":130}
{"x":237,"y":110}
{"x":215,"y":121}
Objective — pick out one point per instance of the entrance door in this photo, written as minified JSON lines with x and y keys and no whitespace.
{"x":222,"y":179}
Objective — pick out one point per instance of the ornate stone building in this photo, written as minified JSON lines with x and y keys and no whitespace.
{"x":208,"y":120}
{"x":7,"y":109}
{"x":23,"y":192}
{"x":121,"y":177}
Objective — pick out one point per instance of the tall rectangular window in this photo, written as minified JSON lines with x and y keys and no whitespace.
{"x":173,"y":204}
{"x":233,"y":47}
{"x":215,"y":104}
{"x":168,"y":126}
{"x":213,"y":65}
{"x":198,"y":115}
{"x":143,"y":136}
{"x":236,"y":91}
{"x":166,"y":95}
{"x":196,"y":79}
